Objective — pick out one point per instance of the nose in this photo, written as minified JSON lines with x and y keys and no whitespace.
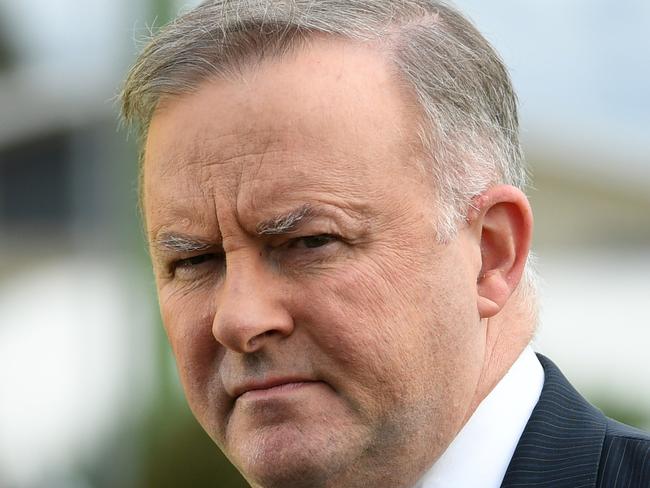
{"x":249,"y":310}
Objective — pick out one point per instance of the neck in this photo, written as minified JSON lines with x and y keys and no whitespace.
{"x":506,"y":335}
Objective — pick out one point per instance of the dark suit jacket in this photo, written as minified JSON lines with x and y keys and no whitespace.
{"x":568,"y":443}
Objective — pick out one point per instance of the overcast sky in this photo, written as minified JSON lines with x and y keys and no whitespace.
{"x":581,"y":68}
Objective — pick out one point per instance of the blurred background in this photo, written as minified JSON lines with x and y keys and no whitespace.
{"x":89,"y":395}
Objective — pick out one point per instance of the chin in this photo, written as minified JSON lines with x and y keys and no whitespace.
{"x":302,"y":438}
{"x":288,"y":476}
{"x":286,"y":457}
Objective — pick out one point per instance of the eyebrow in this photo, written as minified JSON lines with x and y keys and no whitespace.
{"x":173,"y":242}
{"x":179,"y":243}
{"x":285,"y":223}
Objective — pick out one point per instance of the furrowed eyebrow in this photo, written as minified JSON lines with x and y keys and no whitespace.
{"x":172,"y":242}
{"x":179,"y":243}
{"x":285,"y":223}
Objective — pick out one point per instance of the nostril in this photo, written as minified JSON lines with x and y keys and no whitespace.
{"x":254,"y":341}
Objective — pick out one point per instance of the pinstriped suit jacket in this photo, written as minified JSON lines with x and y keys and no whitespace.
{"x":568,"y":443}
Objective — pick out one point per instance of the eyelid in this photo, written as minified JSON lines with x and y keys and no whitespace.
{"x":184,"y":263}
{"x":188,"y":260}
{"x":289,"y":239}
{"x":333,"y":237}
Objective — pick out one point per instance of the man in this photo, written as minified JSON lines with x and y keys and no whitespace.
{"x":333,"y":199}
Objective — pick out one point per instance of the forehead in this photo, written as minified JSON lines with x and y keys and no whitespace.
{"x":324,"y":119}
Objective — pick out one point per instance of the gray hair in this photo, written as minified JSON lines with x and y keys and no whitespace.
{"x":469,"y":130}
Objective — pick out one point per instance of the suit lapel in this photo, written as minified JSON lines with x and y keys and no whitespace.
{"x":562,"y":442}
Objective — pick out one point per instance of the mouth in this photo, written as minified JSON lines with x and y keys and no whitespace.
{"x":273,"y":387}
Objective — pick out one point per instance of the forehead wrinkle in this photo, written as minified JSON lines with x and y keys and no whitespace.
{"x":199,"y":154}
{"x":208,"y":147}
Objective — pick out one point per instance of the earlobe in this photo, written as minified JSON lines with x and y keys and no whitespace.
{"x":493,"y":293}
{"x":486,"y":307}
{"x":503,"y":221}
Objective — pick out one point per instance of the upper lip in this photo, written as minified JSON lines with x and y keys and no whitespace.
{"x":266,"y":384}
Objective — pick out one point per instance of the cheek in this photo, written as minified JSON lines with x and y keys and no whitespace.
{"x":189,"y":329}
{"x":395,"y":324}
{"x":365,"y":322}
{"x":188,"y":322}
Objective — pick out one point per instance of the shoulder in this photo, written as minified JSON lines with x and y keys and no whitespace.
{"x":624,"y":451}
{"x":625,"y":457}
{"x":569,"y":443}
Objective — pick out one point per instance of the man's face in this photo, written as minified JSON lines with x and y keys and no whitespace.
{"x":324,"y":337}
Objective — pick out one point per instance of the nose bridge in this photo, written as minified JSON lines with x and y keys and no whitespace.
{"x":249,"y":308}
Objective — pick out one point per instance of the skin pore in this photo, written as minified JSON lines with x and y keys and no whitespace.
{"x":323,"y":335}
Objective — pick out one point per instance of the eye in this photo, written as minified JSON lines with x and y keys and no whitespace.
{"x":196,"y":265}
{"x":194,"y":260}
{"x":313,"y":242}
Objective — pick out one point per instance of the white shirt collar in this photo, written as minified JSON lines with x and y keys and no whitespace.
{"x":481,"y":452}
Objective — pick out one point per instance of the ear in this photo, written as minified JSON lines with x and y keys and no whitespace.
{"x":502,"y":221}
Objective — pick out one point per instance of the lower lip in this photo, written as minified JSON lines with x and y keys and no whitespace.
{"x":274,"y":391}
